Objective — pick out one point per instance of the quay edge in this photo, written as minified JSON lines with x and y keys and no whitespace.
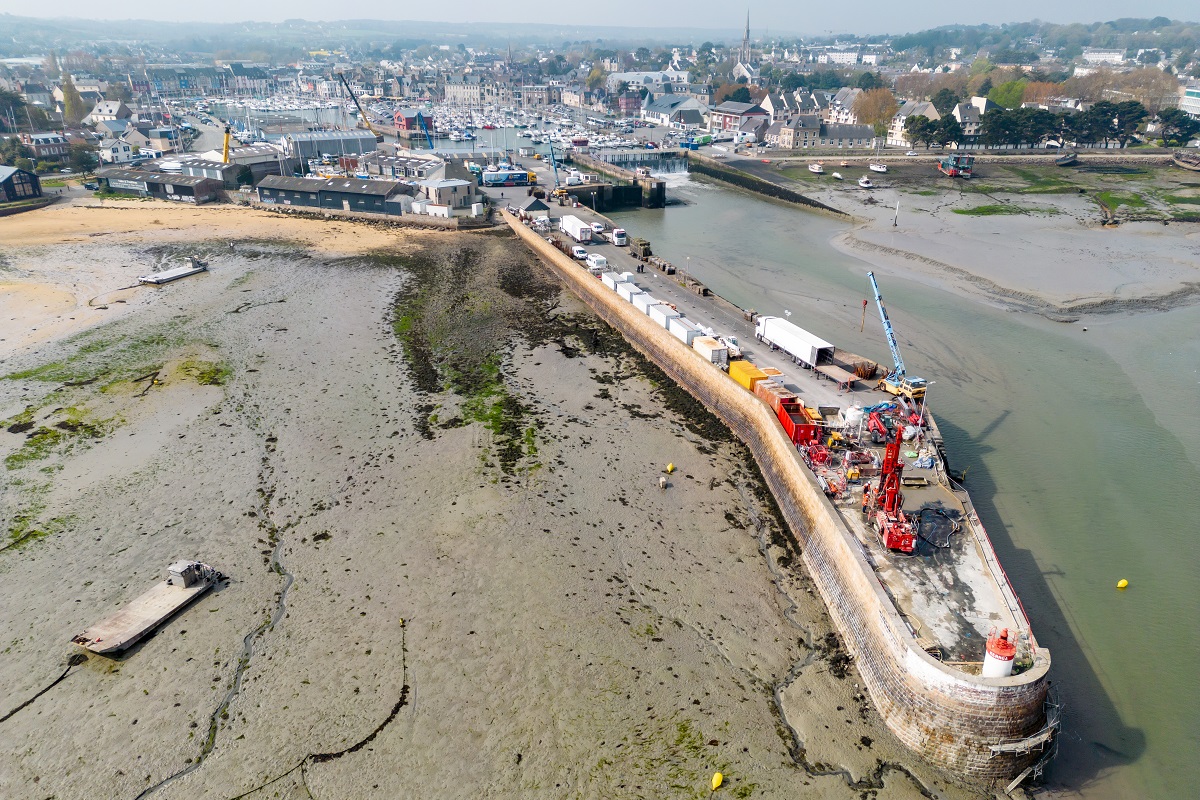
{"x":984,"y":730}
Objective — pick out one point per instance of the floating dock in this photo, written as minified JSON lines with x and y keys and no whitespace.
{"x":194,"y":267}
{"x":187,"y":580}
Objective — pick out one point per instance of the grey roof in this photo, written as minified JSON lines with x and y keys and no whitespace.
{"x":109,"y":107}
{"x":806,"y":122}
{"x":344,"y":185}
{"x":8,"y":172}
{"x":666,"y":103}
{"x":152,"y":177}
{"x":535,"y":204}
{"x":965,"y":112}
{"x":689,"y":116}
{"x":730,"y":107}
{"x":205,"y":164}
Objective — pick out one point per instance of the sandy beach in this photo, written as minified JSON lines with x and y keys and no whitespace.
{"x":433,"y":479}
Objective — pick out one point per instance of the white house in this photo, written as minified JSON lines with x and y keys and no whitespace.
{"x":913,"y":108}
{"x":115,"y":151}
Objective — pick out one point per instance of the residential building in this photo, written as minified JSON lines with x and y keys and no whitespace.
{"x":164,"y":139}
{"x":750,"y":73}
{"x":1189,"y":100}
{"x":18,"y":184}
{"x":841,"y":107}
{"x":1100,"y":55}
{"x":538,"y":95}
{"x":779,"y":107}
{"x":629,"y":104}
{"x":912,"y":108}
{"x":109,"y":110}
{"x":115,"y":151}
{"x":650,"y":81}
{"x":452,"y":192}
{"x":410,"y":119}
{"x":113,"y":128}
{"x":801,"y":132}
{"x":248,"y":78}
{"x":969,"y":116}
{"x":697,"y":91}
{"x":35,"y":94}
{"x":659,"y":110}
{"x":846,"y":136}
{"x":729,"y":116}
{"x":469,"y":90}
{"x":399,"y":167}
{"x":845,"y":57}
{"x":687,"y":119}
{"x":46,"y":146}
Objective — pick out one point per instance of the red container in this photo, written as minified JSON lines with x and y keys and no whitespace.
{"x":796,"y":422}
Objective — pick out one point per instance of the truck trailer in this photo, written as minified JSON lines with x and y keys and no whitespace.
{"x":576,"y":228}
{"x":793,"y":340}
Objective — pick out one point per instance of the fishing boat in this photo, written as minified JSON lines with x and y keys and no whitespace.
{"x":878,"y":167}
{"x":1067,"y":160}
{"x":865,"y":182}
{"x":817,"y":168}
{"x":837,"y":176}
{"x":1186,"y":160}
{"x":186,"y":580}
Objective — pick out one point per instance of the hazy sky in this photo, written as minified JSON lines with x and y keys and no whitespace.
{"x":865,"y":16}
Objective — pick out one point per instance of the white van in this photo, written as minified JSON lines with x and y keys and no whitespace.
{"x":596,"y":261}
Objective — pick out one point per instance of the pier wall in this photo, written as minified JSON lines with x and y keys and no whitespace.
{"x":752,"y":183}
{"x":951,"y":718}
{"x":654,"y":190}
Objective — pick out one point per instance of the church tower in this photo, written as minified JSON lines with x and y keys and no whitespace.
{"x":744,"y":56}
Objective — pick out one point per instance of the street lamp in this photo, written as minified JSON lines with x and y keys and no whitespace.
{"x":924,"y":397}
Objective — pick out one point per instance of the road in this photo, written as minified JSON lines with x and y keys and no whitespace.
{"x":710,"y":312}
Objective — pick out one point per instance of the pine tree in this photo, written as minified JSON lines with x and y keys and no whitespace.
{"x":73,"y":108}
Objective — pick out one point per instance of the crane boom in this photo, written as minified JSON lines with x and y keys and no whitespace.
{"x":425,"y":129}
{"x":554,"y":165}
{"x":362,"y":114}
{"x":898,"y":371}
{"x":225,"y":147}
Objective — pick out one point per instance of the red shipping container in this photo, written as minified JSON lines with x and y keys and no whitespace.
{"x":796,"y":422}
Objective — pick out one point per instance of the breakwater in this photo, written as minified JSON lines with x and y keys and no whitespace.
{"x":712,"y":168}
{"x":983,"y":729}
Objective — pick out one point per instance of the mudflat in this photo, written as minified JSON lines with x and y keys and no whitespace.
{"x":433,"y":479}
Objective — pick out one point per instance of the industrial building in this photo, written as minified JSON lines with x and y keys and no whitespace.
{"x":398,"y":166}
{"x":227,"y":174}
{"x":183,"y":188}
{"x":314,"y":144}
{"x":336,"y":194}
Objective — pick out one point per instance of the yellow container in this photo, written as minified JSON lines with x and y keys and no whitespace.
{"x":746,"y":374}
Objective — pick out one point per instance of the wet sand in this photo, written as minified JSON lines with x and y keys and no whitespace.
{"x":416,"y":598}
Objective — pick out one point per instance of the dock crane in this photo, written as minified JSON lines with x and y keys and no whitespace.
{"x":425,"y":129}
{"x":896,"y":382}
{"x":558,"y":190}
{"x":361,"y":113}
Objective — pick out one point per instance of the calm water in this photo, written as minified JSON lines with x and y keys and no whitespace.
{"x":1083,"y":457}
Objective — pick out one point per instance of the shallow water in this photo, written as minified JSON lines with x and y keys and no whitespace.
{"x":1083,"y":456}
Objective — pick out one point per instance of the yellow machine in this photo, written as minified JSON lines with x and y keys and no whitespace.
{"x":362,"y":114}
{"x":225,"y":147}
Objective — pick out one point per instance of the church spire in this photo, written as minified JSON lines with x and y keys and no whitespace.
{"x":746,"y":41}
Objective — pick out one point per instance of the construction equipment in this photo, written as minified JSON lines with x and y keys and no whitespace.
{"x":362,"y":115}
{"x":225,"y":146}
{"x":957,"y":165}
{"x":895,"y":529}
{"x":896,"y":382}
{"x":425,"y":129}
{"x":554,"y":165}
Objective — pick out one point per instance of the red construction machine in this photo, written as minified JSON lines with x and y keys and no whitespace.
{"x":894,"y":528}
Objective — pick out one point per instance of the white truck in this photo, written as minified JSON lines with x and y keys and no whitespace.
{"x":798,"y":343}
{"x":576,"y":228}
{"x":712,"y":350}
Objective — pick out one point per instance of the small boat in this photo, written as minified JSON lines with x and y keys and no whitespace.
{"x":816,"y":169}
{"x":1067,"y":160}
{"x":837,"y":176}
{"x":878,"y":167}
{"x":193,"y":267}
{"x":844,"y":163}
{"x":186,"y":580}
{"x":865,"y":182}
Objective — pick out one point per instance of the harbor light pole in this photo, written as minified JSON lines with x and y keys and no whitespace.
{"x":925,"y":397}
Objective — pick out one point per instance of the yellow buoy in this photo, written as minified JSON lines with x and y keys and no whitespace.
{"x":670,"y":468}
{"x":1122,"y":584}
{"x":716,"y":781}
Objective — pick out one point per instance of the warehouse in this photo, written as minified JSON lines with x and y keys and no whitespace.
{"x":314,"y":144}
{"x":336,"y":194}
{"x":183,"y":188}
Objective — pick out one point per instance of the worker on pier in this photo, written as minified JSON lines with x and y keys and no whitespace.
{"x":866,"y":498}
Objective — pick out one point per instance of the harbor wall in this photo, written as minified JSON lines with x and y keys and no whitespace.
{"x":951,"y":718}
{"x":704,"y":165}
{"x":653,"y":190}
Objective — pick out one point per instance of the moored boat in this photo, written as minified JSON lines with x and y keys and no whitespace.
{"x":865,"y":182}
{"x":876,"y":167}
{"x":817,"y":168}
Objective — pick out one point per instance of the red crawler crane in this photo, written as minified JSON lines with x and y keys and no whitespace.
{"x":894,"y":528}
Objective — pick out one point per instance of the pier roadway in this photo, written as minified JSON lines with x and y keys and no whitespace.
{"x":711,"y":312}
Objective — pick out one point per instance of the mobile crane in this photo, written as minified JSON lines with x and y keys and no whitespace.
{"x":425,"y":129}
{"x":895,"y":529}
{"x":558,"y":190}
{"x":896,"y":382}
{"x":361,"y":114}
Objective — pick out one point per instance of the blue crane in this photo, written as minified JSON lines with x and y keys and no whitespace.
{"x":897,"y":381}
{"x":425,"y":129}
{"x":554,"y":166}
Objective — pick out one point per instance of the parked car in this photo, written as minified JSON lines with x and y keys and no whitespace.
{"x":911,"y":153}
{"x":93,"y":187}
{"x":579,"y":252}
{"x":598,"y":227}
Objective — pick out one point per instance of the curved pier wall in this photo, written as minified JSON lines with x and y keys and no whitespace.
{"x":949,"y":717}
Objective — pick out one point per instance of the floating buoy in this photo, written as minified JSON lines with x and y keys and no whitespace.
{"x":1122,"y":584}
{"x":670,"y":468}
{"x":716,"y":781}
